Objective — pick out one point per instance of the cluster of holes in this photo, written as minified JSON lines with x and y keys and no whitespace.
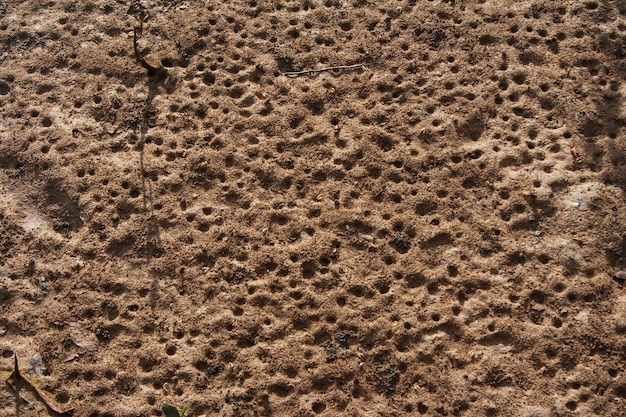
{"x":227,"y":77}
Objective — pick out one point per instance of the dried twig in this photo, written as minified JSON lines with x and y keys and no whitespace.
{"x":15,"y":381}
{"x":137,"y":33}
{"x":311,"y":71}
{"x":140,"y":12}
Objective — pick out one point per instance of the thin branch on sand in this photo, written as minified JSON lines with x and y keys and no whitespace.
{"x":311,"y":71}
{"x":17,"y":379}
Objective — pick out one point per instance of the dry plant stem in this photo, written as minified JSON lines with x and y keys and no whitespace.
{"x":140,"y":59}
{"x":311,"y":71}
{"x":15,"y":381}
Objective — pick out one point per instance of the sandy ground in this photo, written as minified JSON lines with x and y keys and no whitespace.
{"x":438,"y":230}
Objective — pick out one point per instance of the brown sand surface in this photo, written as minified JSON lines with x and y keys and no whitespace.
{"x":437,"y":230}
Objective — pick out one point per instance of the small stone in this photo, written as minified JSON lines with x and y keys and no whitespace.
{"x":621,"y":275}
{"x":42,"y":283}
{"x":36,"y":365}
{"x":583,"y":317}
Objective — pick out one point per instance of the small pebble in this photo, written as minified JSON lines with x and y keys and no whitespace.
{"x":621,"y":275}
{"x":42,"y":283}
